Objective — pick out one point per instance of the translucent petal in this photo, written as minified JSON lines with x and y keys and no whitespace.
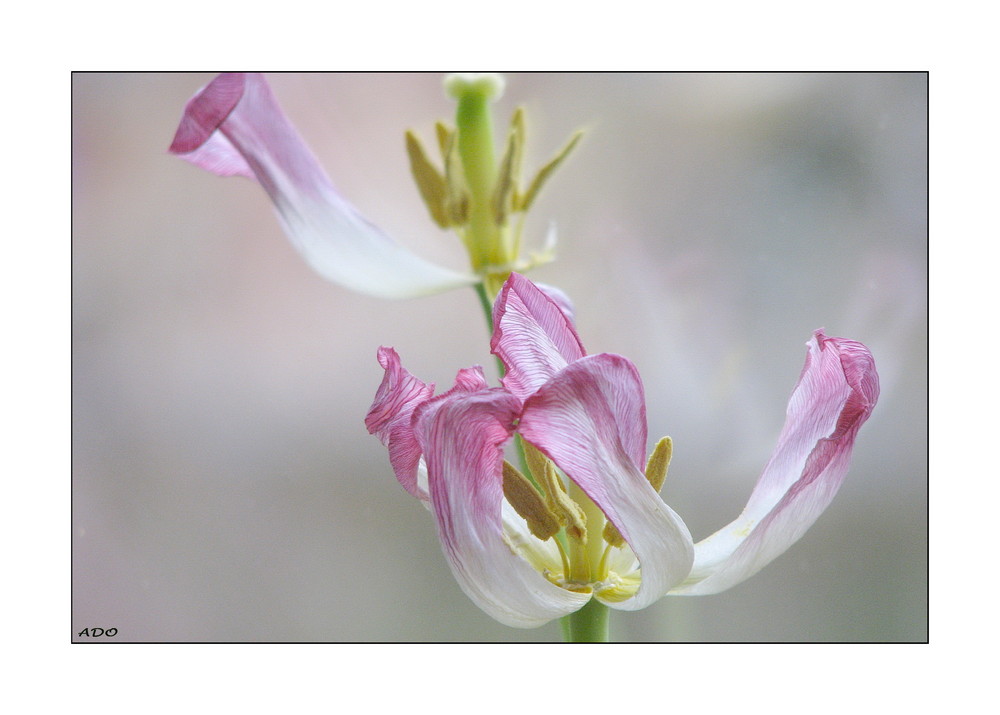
{"x":234,"y":126}
{"x":836,"y":392}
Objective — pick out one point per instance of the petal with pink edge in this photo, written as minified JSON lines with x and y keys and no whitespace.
{"x":234,"y":126}
{"x":532,"y":335}
{"x":462,"y":434}
{"x":390,"y":418}
{"x":590,"y":419}
{"x":560,"y":298}
{"x":835,"y":394}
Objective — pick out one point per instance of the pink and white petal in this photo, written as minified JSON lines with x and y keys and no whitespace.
{"x":234,"y":126}
{"x":560,"y":298}
{"x":461,"y":435}
{"x":531,"y":335}
{"x":470,"y":379}
{"x":197,"y":139}
{"x":836,"y":393}
{"x":590,"y":420}
{"x":390,"y":418}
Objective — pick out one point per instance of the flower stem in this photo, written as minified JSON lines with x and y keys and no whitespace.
{"x":588,"y":625}
{"x":486,"y":303}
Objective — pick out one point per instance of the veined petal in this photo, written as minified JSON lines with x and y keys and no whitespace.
{"x":560,"y":298}
{"x":590,"y":419}
{"x":836,"y":392}
{"x":390,"y":418}
{"x":461,"y":435}
{"x":532,"y":335}
{"x":235,"y":127}
{"x":197,"y":140}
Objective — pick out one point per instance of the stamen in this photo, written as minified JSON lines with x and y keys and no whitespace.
{"x":536,"y":461}
{"x":564,"y":556}
{"x":529,"y":503}
{"x":429,"y":180}
{"x":602,"y":569}
{"x":659,"y":460}
{"x":612,"y":535}
{"x":509,"y":177}
{"x":525,"y":200}
{"x":566,"y":510}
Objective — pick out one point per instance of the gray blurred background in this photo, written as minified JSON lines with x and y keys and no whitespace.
{"x":224,"y":486}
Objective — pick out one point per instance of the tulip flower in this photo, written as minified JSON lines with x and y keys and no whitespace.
{"x":234,"y":127}
{"x":585,"y":522}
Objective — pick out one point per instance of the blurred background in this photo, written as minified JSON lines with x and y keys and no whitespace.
{"x":224,"y":485}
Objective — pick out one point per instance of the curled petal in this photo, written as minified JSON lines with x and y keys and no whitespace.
{"x":590,"y":419}
{"x":836,"y":393}
{"x":235,"y":127}
{"x":390,"y":417}
{"x":461,"y":435}
{"x":469,"y":379}
{"x":532,"y":335}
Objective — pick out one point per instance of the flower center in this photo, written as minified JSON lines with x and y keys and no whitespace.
{"x":566,"y":516}
{"x":589,"y":545}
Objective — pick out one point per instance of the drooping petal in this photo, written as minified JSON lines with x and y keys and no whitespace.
{"x":532,"y":335}
{"x":835,"y":394}
{"x":590,"y":419}
{"x":461,"y":435}
{"x":235,"y":127}
{"x":390,"y":418}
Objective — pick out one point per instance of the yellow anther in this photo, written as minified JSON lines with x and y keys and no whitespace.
{"x":444,"y":134}
{"x":659,"y":460}
{"x":524,"y":201}
{"x":536,"y":461}
{"x":509,"y":177}
{"x":567,"y":511}
{"x":529,"y":503}
{"x":429,"y":180}
{"x":656,"y":474}
{"x":456,"y":194}
{"x":612,"y":535}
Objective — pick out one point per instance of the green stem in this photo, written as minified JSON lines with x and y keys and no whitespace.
{"x":486,"y":303}
{"x":591,"y":623}
{"x":588,"y":625}
{"x":487,"y":306}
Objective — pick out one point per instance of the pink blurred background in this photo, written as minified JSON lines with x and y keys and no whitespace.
{"x":224,"y":486}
